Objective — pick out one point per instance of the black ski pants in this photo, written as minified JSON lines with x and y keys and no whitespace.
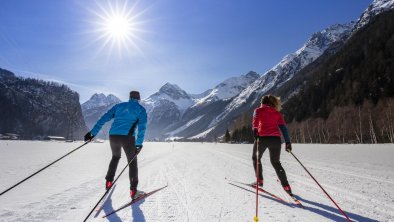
{"x":128,"y":144}
{"x":273,"y":143}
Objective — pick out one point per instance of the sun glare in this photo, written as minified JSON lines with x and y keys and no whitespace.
{"x":118,"y":27}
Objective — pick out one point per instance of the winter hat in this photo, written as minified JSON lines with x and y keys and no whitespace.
{"x":135,"y":95}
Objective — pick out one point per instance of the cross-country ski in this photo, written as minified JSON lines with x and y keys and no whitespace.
{"x":251,"y":185}
{"x":135,"y":200}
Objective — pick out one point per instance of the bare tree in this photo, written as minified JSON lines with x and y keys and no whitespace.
{"x":389,"y":122}
{"x":371,"y":129}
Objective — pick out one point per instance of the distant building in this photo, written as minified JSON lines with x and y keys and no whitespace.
{"x":55,"y":138}
{"x":9,"y":136}
{"x":98,"y":141}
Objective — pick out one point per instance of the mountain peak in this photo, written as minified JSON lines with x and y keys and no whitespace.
{"x":173,"y":91}
{"x":99,"y":99}
{"x":97,"y":96}
{"x":252,"y":74}
{"x":169,"y":87}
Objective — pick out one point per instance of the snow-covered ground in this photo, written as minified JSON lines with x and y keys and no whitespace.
{"x":359,"y":177}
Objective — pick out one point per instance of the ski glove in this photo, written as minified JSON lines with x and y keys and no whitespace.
{"x":288,"y":147}
{"x":89,"y":136}
{"x":255,"y":133}
{"x":138,"y":149}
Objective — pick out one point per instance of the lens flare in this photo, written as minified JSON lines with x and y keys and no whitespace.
{"x":118,"y":26}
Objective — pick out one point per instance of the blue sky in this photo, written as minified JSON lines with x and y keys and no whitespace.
{"x":195,"y":44}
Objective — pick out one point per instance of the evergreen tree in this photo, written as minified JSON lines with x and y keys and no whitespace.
{"x":227,"y":136}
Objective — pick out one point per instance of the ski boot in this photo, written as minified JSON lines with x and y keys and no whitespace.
{"x":108,"y":185}
{"x":260,"y":183}
{"x":134,"y":193}
{"x":288,"y":190}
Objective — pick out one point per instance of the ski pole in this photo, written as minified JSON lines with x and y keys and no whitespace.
{"x":344,"y":214}
{"x":98,"y":202}
{"x":256,"y":218}
{"x":15,"y":185}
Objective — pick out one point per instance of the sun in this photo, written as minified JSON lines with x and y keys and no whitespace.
{"x":118,"y":27}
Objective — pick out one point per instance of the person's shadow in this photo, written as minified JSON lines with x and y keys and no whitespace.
{"x":332,"y":212}
{"x":108,"y":208}
{"x":328,"y":212}
{"x":137,"y":213}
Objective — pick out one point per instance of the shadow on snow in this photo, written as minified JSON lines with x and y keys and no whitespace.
{"x":332,"y":212}
{"x":105,"y":200}
{"x":137,"y":213}
{"x":325,"y":211}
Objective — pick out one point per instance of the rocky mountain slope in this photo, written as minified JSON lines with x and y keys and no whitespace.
{"x":35,"y":108}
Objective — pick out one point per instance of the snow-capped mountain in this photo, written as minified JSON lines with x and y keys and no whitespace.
{"x":95,"y":107}
{"x":209,"y":105}
{"x":165,"y":107}
{"x":289,"y":66}
{"x":171,"y":111}
{"x":99,"y":99}
{"x":228,"y":88}
{"x":168,"y":94}
{"x":376,"y":7}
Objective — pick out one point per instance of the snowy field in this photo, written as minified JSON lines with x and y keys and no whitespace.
{"x":359,"y":177}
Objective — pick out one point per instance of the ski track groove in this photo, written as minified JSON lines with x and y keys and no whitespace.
{"x":337,"y":193}
{"x":317,"y":165}
{"x":47,"y":208}
{"x":174,"y":181}
{"x":194,"y":194}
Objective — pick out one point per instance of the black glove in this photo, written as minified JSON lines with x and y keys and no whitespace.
{"x":255,"y":133}
{"x":288,"y":147}
{"x":89,"y":136}
{"x":138,"y":149}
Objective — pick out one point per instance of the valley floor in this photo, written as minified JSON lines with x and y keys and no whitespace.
{"x":359,"y":177}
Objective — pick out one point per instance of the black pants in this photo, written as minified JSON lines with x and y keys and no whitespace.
{"x":128,"y":144}
{"x":273,"y":144}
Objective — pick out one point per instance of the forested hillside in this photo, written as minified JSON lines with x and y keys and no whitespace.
{"x":35,"y":108}
{"x":349,"y":97}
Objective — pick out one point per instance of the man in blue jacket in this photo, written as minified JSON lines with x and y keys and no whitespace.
{"x":127,"y":117}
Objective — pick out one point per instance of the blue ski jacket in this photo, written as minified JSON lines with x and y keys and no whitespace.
{"x":127,"y":117}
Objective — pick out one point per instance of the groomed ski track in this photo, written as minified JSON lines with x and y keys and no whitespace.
{"x":359,"y":177}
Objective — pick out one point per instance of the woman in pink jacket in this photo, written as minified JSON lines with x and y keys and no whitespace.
{"x":267,"y":121}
